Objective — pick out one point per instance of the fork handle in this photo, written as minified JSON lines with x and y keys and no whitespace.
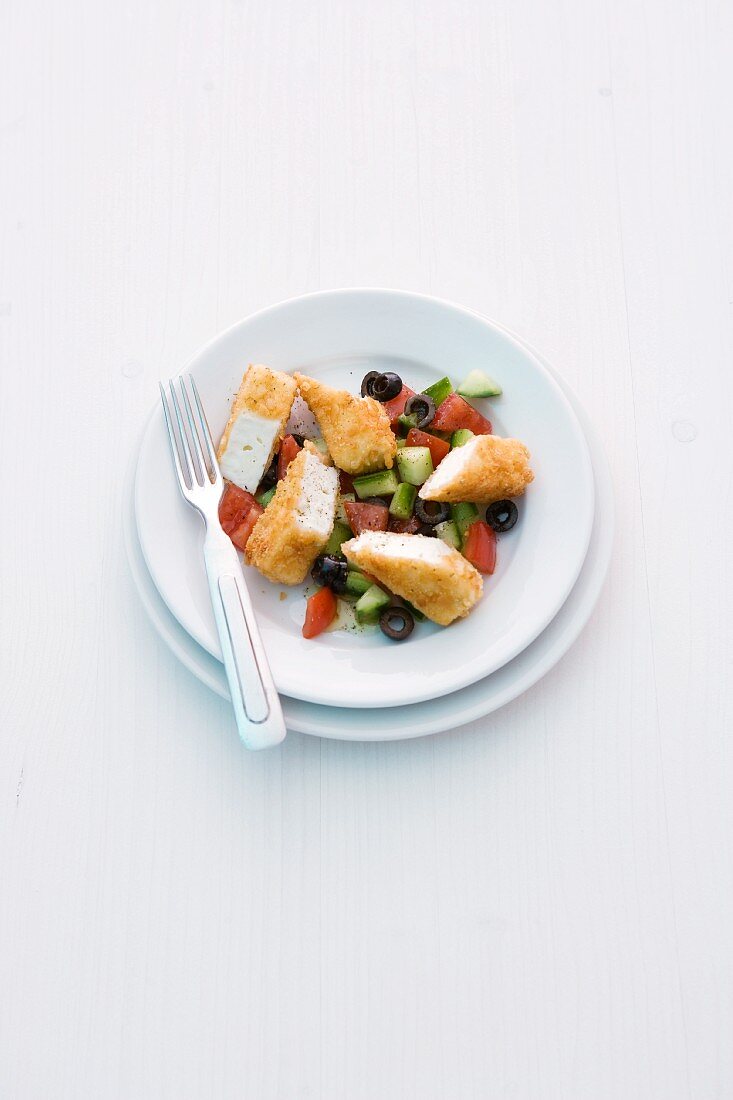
{"x":256,"y":703}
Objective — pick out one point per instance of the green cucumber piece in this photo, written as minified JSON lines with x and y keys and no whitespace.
{"x":449,"y":533}
{"x":265,"y":498}
{"x":407,"y":421}
{"x":381,"y":484}
{"x":464,"y":515}
{"x":460,"y":437}
{"x":341,"y":533}
{"x":401,"y":443}
{"x":321,"y":444}
{"x":369,"y":606}
{"x":478,"y":384}
{"x":439,"y":390}
{"x":403,"y":502}
{"x":415,"y":464}
{"x":356,"y":584}
{"x":417,"y":615}
{"x":341,"y":511}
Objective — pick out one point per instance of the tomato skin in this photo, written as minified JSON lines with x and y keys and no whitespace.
{"x":366,"y":517}
{"x":320,"y":611}
{"x":455,"y":413}
{"x":409,"y":526}
{"x":480,"y":546}
{"x":395,"y":408}
{"x":241,"y":533}
{"x":438,"y":447}
{"x":289,"y":449}
{"x":233,"y":507}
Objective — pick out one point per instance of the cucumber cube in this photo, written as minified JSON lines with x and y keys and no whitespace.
{"x":340,"y":510}
{"x":460,"y":436}
{"x":371,"y":604}
{"x":478,"y":384}
{"x":415,"y":464}
{"x":403,"y":502}
{"x":439,"y":390}
{"x":407,"y":421}
{"x":341,"y":533}
{"x":356,"y":584}
{"x":449,"y":533}
{"x":382,"y":484}
{"x":463,"y":516}
{"x":265,"y":498}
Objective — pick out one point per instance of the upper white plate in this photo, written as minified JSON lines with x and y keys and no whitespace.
{"x":338,"y":336}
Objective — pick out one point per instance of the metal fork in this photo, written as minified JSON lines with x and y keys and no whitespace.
{"x":256,"y":704}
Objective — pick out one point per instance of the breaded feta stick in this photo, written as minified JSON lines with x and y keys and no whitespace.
{"x":356,"y":429}
{"x":427,"y":572}
{"x":257,"y":423}
{"x":298,"y":521}
{"x":485,"y":469}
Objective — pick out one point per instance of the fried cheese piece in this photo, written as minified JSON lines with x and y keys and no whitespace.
{"x":298,"y":521}
{"x":259,"y":414}
{"x":427,"y":572}
{"x":356,"y":429}
{"x":485,"y":469}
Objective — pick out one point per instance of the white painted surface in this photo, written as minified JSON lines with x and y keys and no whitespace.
{"x":539,"y":906}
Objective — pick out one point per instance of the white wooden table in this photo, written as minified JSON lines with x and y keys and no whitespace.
{"x":536,"y":907}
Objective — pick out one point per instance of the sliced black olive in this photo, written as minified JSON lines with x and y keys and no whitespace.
{"x":502,"y":515}
{"x":299,"y":439}
{"x":374,"y":500}
{"x":269,"y":478}
{"x":428,"y":530}
{"x":431,"y":511}
{"x":386,"y":386}
{"x":397,"y":623}
{"x":422,"y":406}
{"x":367,"y":383}
{"x":331,"y":571}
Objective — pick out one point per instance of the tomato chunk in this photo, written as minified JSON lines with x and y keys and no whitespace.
{"x":366,"y":517}
{"x":241,"y":533}
{"x":455,"y":413}
{"x":438,"y":447}
{"x":233,"y":507}
{"x":480,"y":546}
{"x":346,"y":482}
{"x":288,"y":451}
{"x":409,"y":526}
{"x":395,"y":408}
{"x":320,"y":611}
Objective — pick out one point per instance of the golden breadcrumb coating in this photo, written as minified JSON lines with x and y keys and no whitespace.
{"x":485,"y":469}
{"x":264,"y":392}
{"x":444,"y":588}
{"x":356,"y":429}
{"x":284,"y":544}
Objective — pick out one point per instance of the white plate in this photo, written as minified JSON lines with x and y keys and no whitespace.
{"x":397,"y":723}
{"x":338,"y":336}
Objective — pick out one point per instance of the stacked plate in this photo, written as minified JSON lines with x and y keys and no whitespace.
{"x":361,"y":686}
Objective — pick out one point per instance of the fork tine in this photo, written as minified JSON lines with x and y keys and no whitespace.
{"x":197,"y":454}
{"x":206,"y":431}
{"x":172,"y":437}
{"x":189,"y":479}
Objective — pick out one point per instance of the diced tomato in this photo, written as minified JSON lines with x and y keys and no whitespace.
{"x":480,"y":546}
{"x":409,"y":526}
{"x":346,"y":482}
{"x":241,"y":533}
{"x":455,"y":413}
{"x":366,"y":517}
{"x":438,"y":447}
{"x":288,"y":450}
{"x":320,"y":611}
{"x":395,"y":408}
{"x":233,"y":507}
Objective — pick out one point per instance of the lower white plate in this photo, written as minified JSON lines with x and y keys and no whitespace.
{"x":431,"y":716}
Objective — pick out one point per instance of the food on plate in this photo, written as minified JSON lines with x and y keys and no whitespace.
{"x":382,"y":507}
{"x":256,"y":425}
{"x":486,"y":468}
{"x":434,"y":577}
{"x":356,"y":429}
{"x":297,"y":523}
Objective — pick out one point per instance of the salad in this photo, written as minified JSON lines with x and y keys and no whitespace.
{"x":394,"y":507}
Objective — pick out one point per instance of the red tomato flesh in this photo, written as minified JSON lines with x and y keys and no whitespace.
{"x":320,"y":611}
{"x":455,"y":413}
{"x":241,"y":533}
{"x":438,"y":447}
{"x":480,"y":546}
{"x":233,"y":507}
{"x":366,"y":517}
{"x":288,"y":451}
{"x":395,"y":408}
